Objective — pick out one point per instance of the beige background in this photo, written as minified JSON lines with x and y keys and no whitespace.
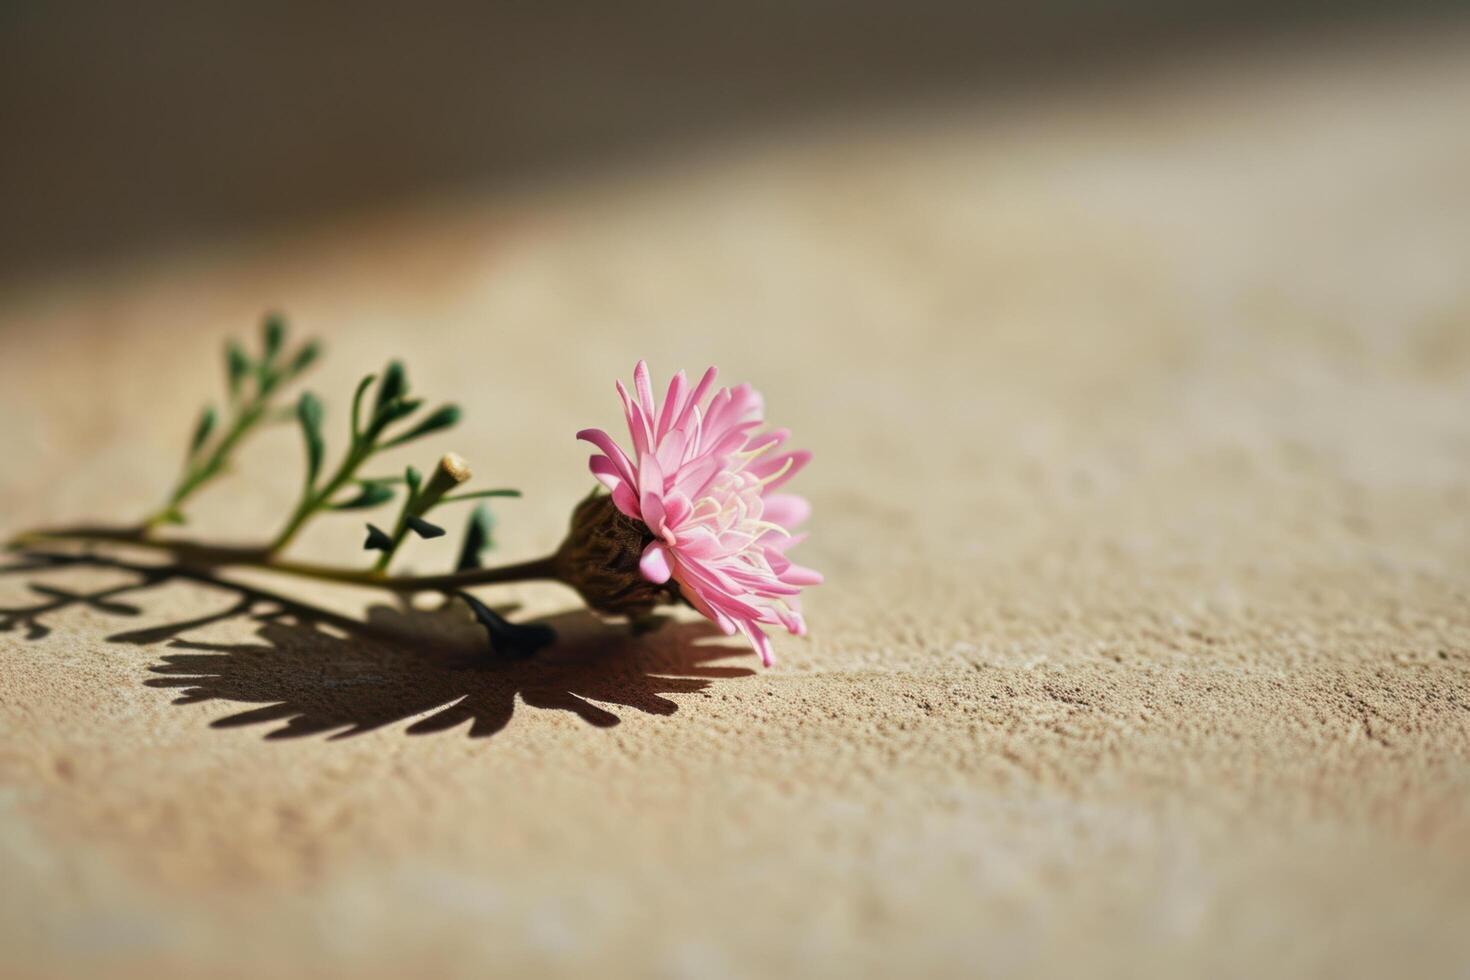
{"x":1142,"y":484}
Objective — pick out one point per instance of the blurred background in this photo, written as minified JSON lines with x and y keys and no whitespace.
{"x":171,"y":124}
{"x":1133,"y":345}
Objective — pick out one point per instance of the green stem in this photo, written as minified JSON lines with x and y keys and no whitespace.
{"x":311,"y":502}
{"x":422,"y":497}
{"x":400,"y":531}
{"x":197,"y":475}
{"x":200,"y":555}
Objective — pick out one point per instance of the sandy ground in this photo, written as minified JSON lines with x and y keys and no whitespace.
{"x":1142,"y":422}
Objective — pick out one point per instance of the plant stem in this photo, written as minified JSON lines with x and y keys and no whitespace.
{"x":400,"y":531}
{"x":196,"y":476}
{"x":420,"y":499}
{"x":313,"y":502}
{"x":201,"y":555}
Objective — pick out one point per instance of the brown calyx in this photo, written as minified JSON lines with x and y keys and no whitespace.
{"x":599,"y":558}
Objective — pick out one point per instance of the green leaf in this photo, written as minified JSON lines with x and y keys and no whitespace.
{"x":422,"y":527}
{"x":412,"y":477}
{"x":442,"y":418}
{"x":305,"y":358}
{"x":274,"y":332}
{"x":393,"y":387}
{"x":371,"y":495}
{"x":309,"y":412}
{"x":237,"y":367}
{"x":480,"y":494}
{"x":171,"y":516}
{"x":202,"y":430}
{"x":478,"y":539}
{"x":377,"y":540}
{"x":394,"y":411}
{"x":362,"y":387}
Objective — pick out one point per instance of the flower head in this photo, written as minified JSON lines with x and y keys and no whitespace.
{"x":702,"y":478}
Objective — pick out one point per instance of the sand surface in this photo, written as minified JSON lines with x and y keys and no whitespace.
{"x":1142,"y":425}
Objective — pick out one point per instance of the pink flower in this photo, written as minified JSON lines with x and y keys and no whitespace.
{"x":702,"y":478}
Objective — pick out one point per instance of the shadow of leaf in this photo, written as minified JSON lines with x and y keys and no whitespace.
{"x":432,"y":670}
{"x":320,"y":672}
{"x":57,"y":599}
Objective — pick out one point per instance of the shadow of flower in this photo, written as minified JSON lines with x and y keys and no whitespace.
{"x":318,"y":673}
{"x":317,"y":683}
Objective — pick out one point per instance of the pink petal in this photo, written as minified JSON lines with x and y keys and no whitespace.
{"x":765,"y":467}
{"x":638,"y":427}
{"x":694,"y":434}
{"x":785,"y":509}
{"x":801,"y":575}
{"x":643,"y":426}
{"x":701,"y":605}
{"x":652,"y":506}
{"x":655,"y":563}
{"x":717,"y":588}
{"x":614,"y":452}
{"x":699,"y":542}
{"x":782,"y":545}
{"x":730,"y":442}
{"x":645,"y":393}
{"x":624,"y":500}
{"x":650,"y":474}
{"x":731,"y":407}
{"x":792,"y":620}
{"x":673,"y":404}
{"x":733,"y":541}
{"x":671,"y":451}
{"x":697,"y":396}
{"x":760,"y":641}
{"x":695,"y":476}
{"x":605,"y":470}
{"x":767,"y":441}
{"x":677,"y":509}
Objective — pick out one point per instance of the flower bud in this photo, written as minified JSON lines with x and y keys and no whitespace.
{"x":450,"y":473}
{"x":599,"y":558}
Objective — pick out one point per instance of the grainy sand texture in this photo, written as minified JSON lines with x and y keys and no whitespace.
{"x":1142,"y":487}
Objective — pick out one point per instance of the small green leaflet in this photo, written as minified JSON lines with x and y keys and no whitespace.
{"x":309,"y":412}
